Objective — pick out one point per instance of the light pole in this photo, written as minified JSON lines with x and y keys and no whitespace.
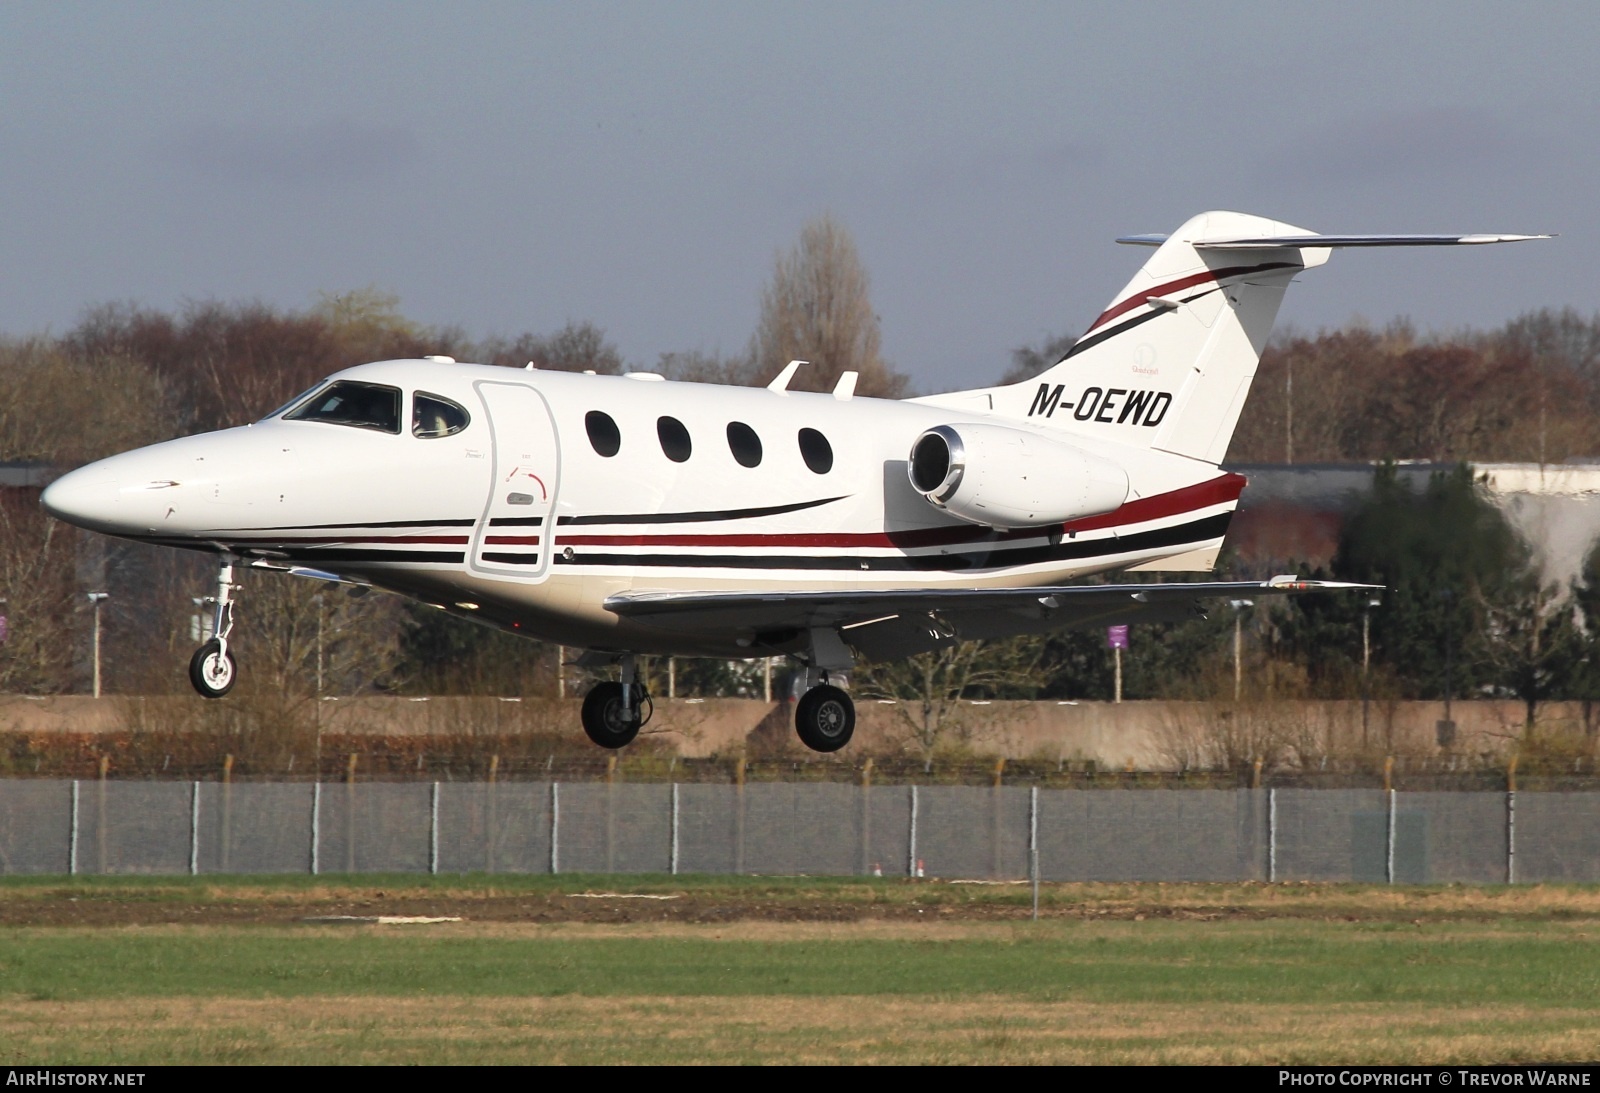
{"x":1366,"y":663}
{"x":1238,"y":644}
{"x":1445,"y":730}
{"x":317,"y":599}
{"x":95,"y":599}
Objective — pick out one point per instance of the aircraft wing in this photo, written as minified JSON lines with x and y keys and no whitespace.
{"x":891,"y":623}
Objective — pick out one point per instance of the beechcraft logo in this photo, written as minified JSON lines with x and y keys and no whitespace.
{"x":1118,"y":406}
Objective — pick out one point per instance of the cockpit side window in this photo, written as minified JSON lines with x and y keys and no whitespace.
{"x":363,"y":405}
{"x":435,"y":416}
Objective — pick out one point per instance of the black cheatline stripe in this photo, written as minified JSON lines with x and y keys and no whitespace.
{"x":513,"y":559}
{"x":342,"y":555}
{"x":696,"y":517}
{"x":516,"y":522}
{"x":1212,"y":527}
{"x":354,"y":527}
{"x":1111,"y":332}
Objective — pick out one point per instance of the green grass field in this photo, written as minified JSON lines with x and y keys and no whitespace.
{"x":126,"y":971}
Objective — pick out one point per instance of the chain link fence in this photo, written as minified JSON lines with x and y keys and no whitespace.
{"x":990,"y":833}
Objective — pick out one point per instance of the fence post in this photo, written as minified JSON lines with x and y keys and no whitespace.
{"x":1389,"y":861}
{"x":738,"y":816}
{"x":911,"y":841}
{"x":1272,"y":835}
{"x":350,"y":815}
{"x":227,"y":809}
{"x":673,"y":861}
{"x":72,"y":833}
{"x":555,"y":827}
{"x":100,"y":824}
{"x":996,"y":864}
{"x":611,"y":813}
{"x":1033,"y":847}
{"x":1511,"y":836}
{"x":433,"y":831}
{"x":489,"y":811}
{"x":866,"y":817}
{"x":194,"y":829}
{"x":316,"y":827}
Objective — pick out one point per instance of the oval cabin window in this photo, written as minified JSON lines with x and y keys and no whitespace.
{"x":604,"y":436}
{"x":435,"y":416}
{"x":674,"y":438}
{"x":816,"y":451}
{"x":744,"y":444}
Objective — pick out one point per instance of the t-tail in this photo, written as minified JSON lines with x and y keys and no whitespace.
{"x":1168,"y":364}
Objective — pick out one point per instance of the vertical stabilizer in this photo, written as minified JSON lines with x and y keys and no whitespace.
{"x":1168,"y":364}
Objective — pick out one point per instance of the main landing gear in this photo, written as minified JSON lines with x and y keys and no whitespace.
{"x":825,"y":718}
{"x":212,"y":669}
{"x":614,"y":712}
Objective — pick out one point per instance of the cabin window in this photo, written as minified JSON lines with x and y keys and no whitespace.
{"x":363,"y":405}
{"x":674,"y":438}
{"x":435,"y":416}
{"x":604,"y":436}
{"x":816,"y":451}
{"x":744,"y":444}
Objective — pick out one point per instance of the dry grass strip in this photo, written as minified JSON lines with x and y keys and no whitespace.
{"x":781,"y":1029}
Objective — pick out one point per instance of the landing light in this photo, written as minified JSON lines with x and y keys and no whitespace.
{"x":465,"y":606}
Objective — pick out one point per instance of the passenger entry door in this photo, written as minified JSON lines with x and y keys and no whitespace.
{"x":513,"y":537}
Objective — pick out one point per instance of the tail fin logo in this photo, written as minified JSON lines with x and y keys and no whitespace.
{"x":1116,"y":406}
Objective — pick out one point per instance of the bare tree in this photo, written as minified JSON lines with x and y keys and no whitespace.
{"x":816,"y":308}
{"x":929,"y":687}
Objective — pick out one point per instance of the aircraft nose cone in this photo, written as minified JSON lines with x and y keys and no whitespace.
{"x":85,"y":497}
{"x":118,"y":496}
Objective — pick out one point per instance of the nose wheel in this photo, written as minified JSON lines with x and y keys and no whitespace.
{"x":825,"y":718}
{"x":212,"y":669}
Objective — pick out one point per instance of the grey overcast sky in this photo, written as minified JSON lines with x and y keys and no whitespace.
{"x":510,"y":166}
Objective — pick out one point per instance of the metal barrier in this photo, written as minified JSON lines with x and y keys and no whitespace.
{"x":1000,"y":832}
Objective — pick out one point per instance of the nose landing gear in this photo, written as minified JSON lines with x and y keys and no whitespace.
{"x":212,"y":670}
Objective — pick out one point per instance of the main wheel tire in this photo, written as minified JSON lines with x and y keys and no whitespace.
{"x":604,"y":719}
{"x":825,"y":718}
{"x":212,"y":671}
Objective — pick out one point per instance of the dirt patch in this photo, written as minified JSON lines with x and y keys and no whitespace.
{"x":702,"y":903}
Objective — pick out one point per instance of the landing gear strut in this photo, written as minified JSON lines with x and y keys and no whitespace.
{"x":212,"y":669}
{"x":614,"y":712}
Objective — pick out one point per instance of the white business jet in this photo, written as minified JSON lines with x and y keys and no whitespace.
{"x":626,"y":515}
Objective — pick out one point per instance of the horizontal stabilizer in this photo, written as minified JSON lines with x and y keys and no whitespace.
{"x":1283,"y":242}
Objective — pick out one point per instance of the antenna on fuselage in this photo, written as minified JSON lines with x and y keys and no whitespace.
{"x":846,"y":386}
{"x":780,"y":383}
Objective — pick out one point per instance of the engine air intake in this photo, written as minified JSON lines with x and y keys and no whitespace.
{"x":997,"y":476}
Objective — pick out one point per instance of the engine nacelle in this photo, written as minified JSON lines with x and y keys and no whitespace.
{"x":1008,"y":478}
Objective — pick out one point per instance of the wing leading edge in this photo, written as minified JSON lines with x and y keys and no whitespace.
{"x":891,"y":623}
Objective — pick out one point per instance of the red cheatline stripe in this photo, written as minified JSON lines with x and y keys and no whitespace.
{"x":512,"y":540}
{"x":1217,"y":491}
{"x":1138,"y":298}
{"x":1224,"y":488}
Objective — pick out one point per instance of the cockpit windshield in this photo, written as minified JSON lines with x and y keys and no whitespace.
{"x":296,"y":401}
{"x":364,"y":405}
